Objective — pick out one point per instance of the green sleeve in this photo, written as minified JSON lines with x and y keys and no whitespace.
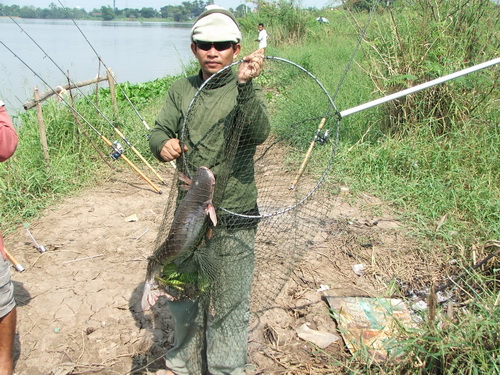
{"x":166,"y":124}
{"x":250,"y":101}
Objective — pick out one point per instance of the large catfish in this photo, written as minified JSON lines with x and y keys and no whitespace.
{"x":185,"y":232}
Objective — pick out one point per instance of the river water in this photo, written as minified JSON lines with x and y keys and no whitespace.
{"x":134,"y":51}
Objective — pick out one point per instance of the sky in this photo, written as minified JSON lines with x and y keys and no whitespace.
{"x":88,"y":5}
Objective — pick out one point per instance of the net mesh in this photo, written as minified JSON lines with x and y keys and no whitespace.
{"x":249,"y":137}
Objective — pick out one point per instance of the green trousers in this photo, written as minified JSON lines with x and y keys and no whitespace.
{"x":211,"y":332}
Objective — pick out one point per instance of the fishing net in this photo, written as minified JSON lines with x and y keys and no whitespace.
{"x":269,"y":203}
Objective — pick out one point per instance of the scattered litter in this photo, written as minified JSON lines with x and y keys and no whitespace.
{"x":40,"y":248}
{"x":132,"y":218}
{"x":344,"y":190}
{"x":419,"y":306}
{"x":359,"y":269}
{"x":443,"y":296}
{"x":63,"y":369}
{"x":319,"y":338}
{"x":145,"y":231}
{"x":372,"y":323}
{"x":323,"y":287}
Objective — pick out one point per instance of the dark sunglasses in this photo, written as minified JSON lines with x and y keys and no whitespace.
{"x":219,"y":46}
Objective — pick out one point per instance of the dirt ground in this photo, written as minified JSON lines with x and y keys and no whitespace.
{"x":78,"y":302}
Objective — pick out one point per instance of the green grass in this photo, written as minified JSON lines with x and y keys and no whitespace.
{"x":433,"y":167}
{"x":432,"y":156}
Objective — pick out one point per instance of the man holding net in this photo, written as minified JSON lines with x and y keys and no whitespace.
{"x":216,"y":119}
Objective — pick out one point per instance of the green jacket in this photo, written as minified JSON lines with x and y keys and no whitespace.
{"x":221,"y":131}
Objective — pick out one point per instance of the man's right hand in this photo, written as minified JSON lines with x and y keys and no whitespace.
{"x":172,"y":150}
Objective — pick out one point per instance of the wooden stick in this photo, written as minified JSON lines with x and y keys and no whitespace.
{"x":308,"y":155}
{"x":82,"y":128}
{"x":112,"y":92}
{"x":41,"y":127}
{"x":452,"y":280}
{"x":18,"y":266}
{"x":31,"y":103}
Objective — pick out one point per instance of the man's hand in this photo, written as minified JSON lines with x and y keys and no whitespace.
{"x":172,"y":150}
{"x":251,"y":66}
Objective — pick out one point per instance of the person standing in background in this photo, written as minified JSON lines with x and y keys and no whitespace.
{"x":8,"y":144}
{"x":262,"y":38}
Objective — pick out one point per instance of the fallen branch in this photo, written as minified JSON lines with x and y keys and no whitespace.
{"x":77,"y":260}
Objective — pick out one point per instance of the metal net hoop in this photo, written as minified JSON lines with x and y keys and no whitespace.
{"x":328,"y":112}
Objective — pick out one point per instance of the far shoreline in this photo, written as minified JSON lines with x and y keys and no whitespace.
{"x":141,"y":20}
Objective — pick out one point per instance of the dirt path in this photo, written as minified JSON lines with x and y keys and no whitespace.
{"x":78,"y":302}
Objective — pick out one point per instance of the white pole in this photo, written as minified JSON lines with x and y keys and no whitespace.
{"x":422,"y":86}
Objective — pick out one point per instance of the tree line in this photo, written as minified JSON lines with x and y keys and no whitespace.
{"x":184,"y":12}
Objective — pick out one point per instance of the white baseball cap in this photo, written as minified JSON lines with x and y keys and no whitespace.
{"x":216,"y":24}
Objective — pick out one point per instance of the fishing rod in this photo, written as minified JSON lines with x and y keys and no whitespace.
{"x":18,"y":266}
{"x":386,"y":99}
{"x":322,"y":137}
{"x":417,"y":88}
{"x":172,"y":163}
{"x":95,"y":107}
{"x":117,"y":148}
{"x":102,"y":62}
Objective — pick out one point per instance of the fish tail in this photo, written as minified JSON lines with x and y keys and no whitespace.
{"x":147,"y":297}
{"x":150,"y":294}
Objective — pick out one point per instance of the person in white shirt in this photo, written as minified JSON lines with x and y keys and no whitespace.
{"x":262,"y":38}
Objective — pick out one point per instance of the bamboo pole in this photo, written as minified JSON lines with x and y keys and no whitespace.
{"x":308,"y":155}
{"x":82,"y":128}
{"x":41,"y":127}
{"x":140,"y":156}
{"x":112,"y":90}
{"x":56,"y":90}
{"x":132,"y":165}
{"x":118,"y":152}
{"x":18,"y":266}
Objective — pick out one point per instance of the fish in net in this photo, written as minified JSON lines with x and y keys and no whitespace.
{"x":247,"y":136}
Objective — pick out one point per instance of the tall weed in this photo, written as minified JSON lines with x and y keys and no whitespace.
{"x":284,"y":21}
{"x":417,"y":41}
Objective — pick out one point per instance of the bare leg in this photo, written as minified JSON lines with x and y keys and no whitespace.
{"x":7,"y":333}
